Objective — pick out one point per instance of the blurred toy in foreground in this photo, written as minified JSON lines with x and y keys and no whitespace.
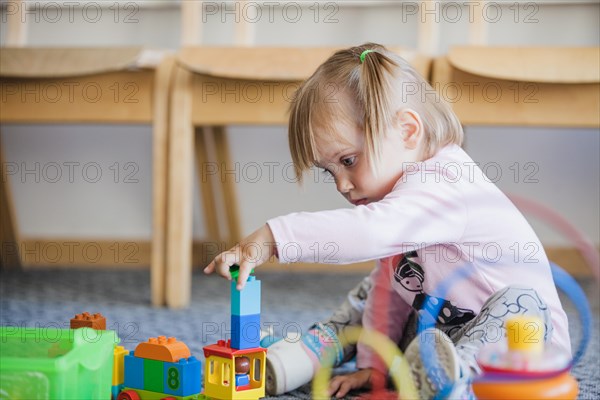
{"x":523,"y":367}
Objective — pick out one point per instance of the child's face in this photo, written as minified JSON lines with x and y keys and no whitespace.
{"x":342,"y":154}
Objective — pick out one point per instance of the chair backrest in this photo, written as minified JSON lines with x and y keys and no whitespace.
{"x":521,"y":86}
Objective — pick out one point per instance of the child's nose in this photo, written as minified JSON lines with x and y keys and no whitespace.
{"x":344,"y":185}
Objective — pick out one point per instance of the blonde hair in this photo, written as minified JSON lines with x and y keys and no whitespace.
{"x":372,"y":86}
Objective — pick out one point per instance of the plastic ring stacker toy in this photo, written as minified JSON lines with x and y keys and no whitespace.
{"x":561,"y":386}
{"x":571,"y":288}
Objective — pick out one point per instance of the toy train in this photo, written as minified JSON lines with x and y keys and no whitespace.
{"x":164,"y":369}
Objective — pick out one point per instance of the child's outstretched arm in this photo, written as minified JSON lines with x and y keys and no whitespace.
{"x":251,"y":252}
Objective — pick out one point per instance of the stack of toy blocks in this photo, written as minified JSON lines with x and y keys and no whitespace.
{"x":235,"y":369}
{"x":163,"y":366}
{"x":245,"y":315}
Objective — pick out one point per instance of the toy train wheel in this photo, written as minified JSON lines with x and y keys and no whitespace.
{"x":128,"y":395}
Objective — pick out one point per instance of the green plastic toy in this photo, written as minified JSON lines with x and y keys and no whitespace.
{"x":234,"y":270}
{"x":50,"y":363}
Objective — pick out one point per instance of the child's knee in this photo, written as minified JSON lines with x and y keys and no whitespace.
{"x":518,"y":300}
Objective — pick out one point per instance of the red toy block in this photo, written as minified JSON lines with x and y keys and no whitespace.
{"x":163,"y":349}
{"x":87,"y":320}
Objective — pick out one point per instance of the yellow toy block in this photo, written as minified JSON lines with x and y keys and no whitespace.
{"x":118,"y":366}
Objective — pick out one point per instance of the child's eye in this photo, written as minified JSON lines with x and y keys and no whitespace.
{"x":348,"y":161}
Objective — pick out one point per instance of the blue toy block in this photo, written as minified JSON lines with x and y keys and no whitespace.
{"x":242,"y":380}
{"x":246,"y":301}
{"x":134,"y":371}
{"x":245,"y":331}
{"x":183,"y":378}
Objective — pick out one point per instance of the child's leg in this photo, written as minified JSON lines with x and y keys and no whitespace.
{"x":293,"y":364}
{"x":348,"y":314}
{"x":427,"y":381}
{"x":489,"y":325}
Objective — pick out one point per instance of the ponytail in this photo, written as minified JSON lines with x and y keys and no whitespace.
{"x":375,"y":95}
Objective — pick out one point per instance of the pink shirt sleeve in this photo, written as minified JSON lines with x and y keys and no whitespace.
{"x":415,"y":214}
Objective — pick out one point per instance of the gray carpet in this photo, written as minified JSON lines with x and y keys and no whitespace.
{"x":291,"y":302}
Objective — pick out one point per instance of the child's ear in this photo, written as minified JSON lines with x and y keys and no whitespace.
{"x":411,"y":127}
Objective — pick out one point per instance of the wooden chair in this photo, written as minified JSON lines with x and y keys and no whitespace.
{"x":521,"y":86}
{"x":215,"y":87}
{"x":141,"y":80}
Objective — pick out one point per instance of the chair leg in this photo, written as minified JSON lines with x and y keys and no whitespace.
{"x":160,"y":153}
{"x":206,"y":168}
{"x":10,"y":256}
{"x":227,"y":186}
{"x":179,"y":203}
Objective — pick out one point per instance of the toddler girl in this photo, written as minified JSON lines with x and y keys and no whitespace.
{"x":423,"y":210}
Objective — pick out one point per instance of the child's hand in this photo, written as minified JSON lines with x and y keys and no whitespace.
{"x":249,"y":253}
{"x":342,"y":384}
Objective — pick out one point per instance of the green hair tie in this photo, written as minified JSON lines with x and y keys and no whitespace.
{"x":363,"y":55}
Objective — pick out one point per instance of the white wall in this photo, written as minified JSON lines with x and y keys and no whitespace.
{"x":567,"y":160}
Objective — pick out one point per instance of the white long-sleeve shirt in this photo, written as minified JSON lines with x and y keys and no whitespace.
{"x":442,"y":215}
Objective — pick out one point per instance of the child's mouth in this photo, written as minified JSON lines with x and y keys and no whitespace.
{"x":359,"y":201}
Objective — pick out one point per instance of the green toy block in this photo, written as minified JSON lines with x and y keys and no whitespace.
{"x":153,"y":375}
{"x":234,"y":270}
